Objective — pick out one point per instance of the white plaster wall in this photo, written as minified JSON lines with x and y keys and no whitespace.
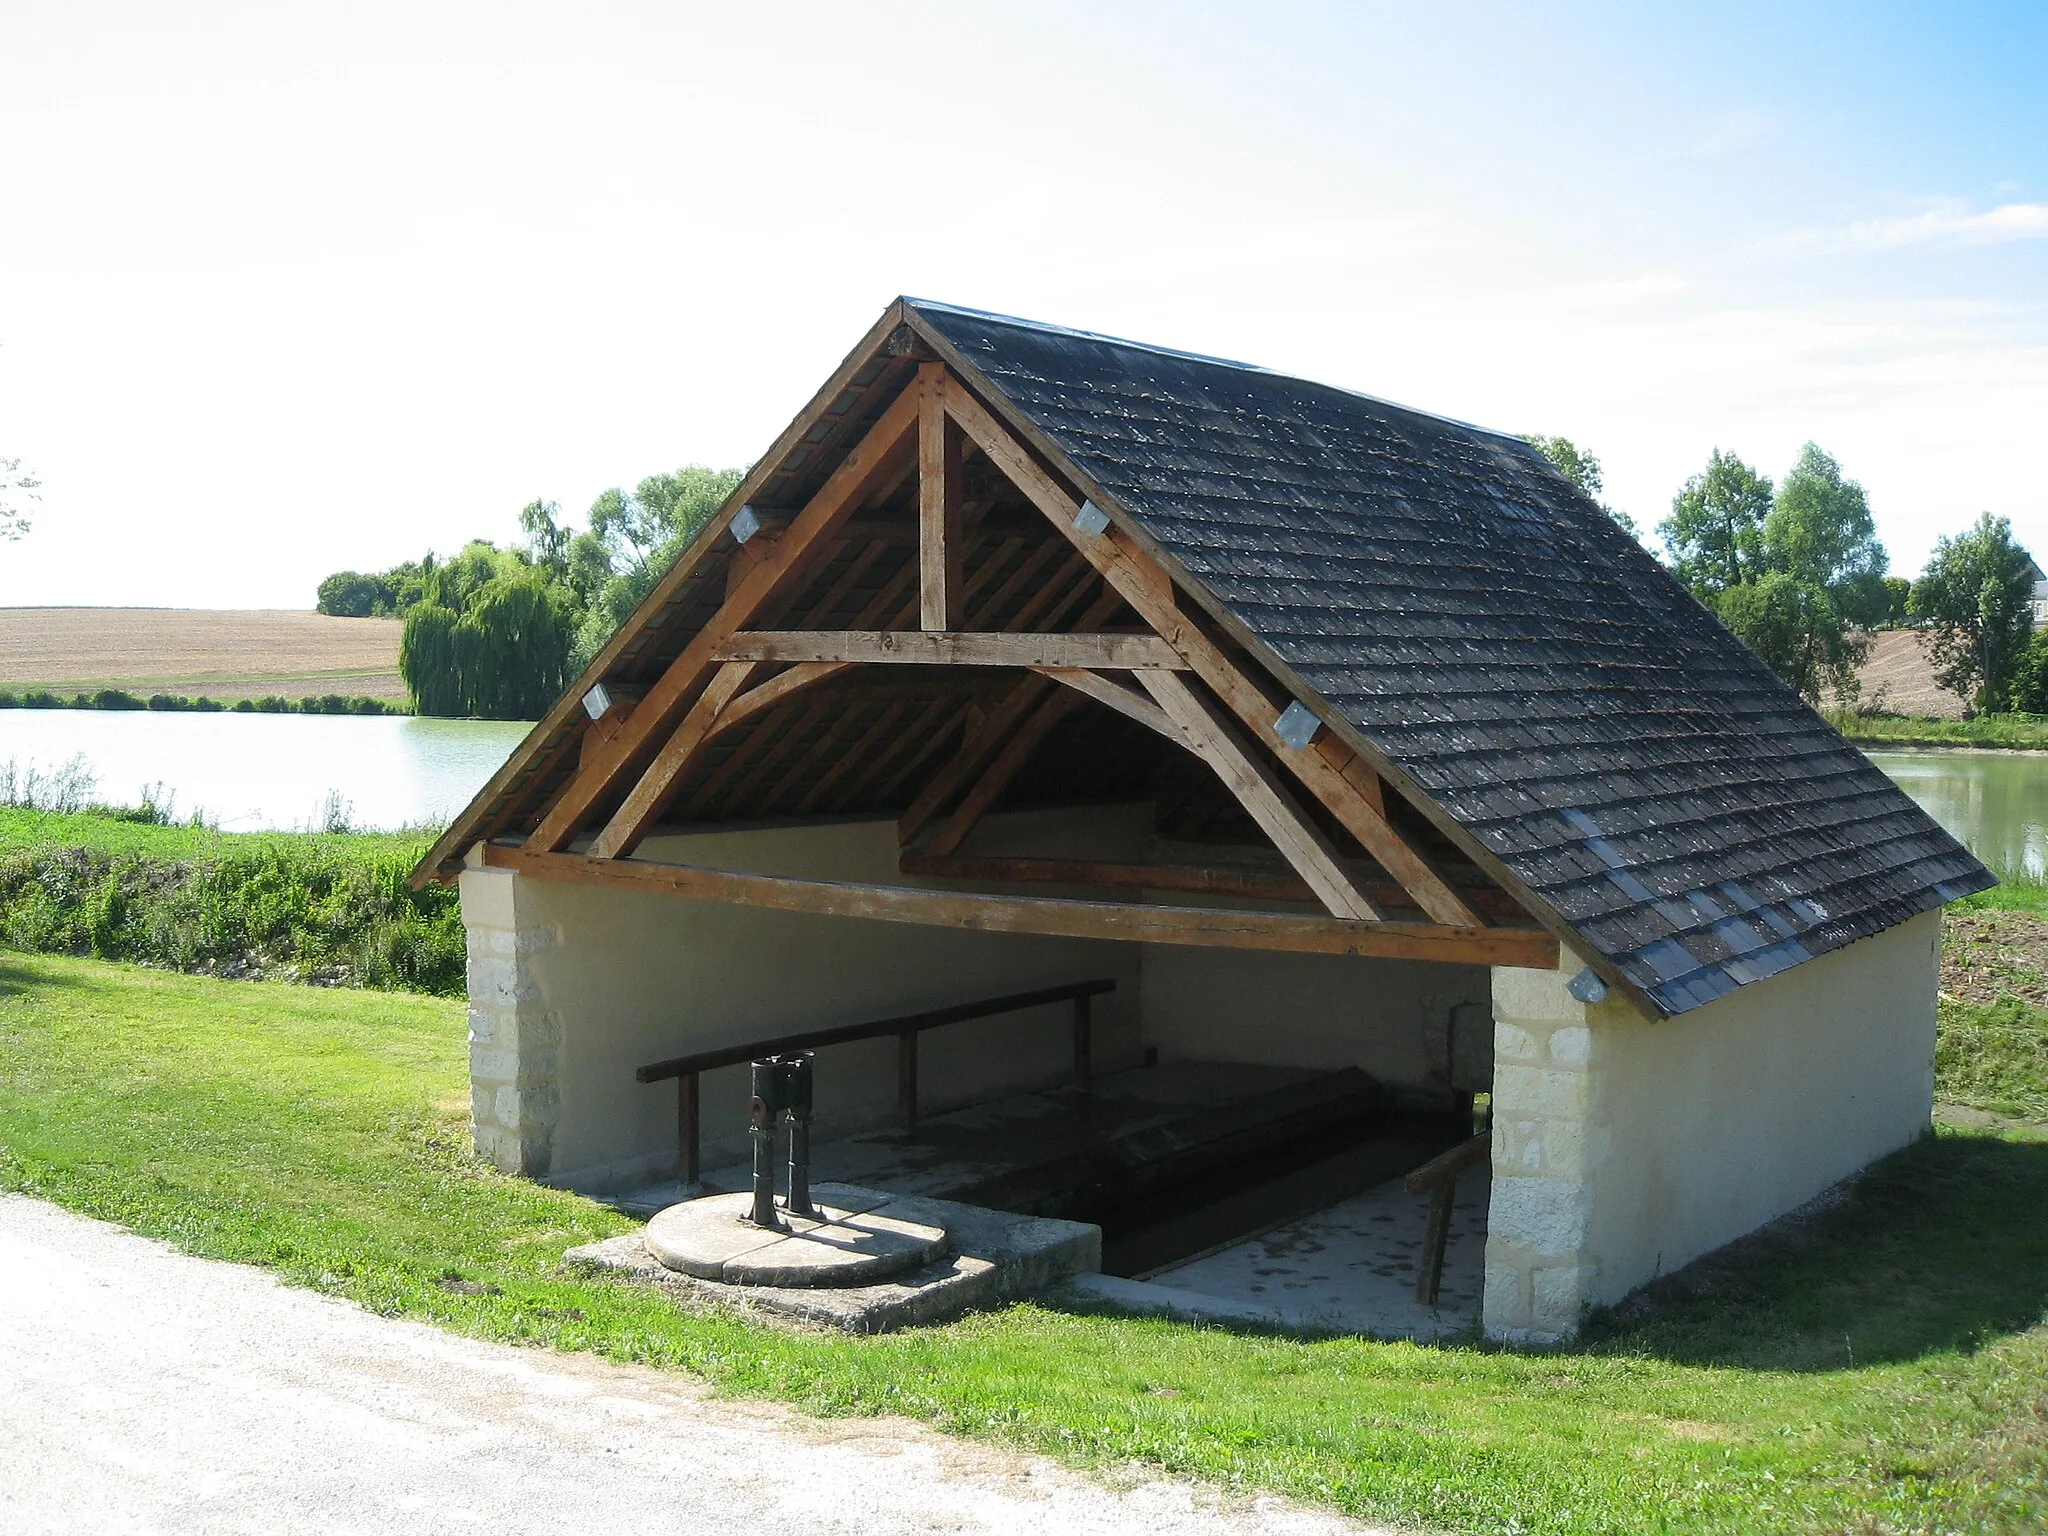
{"x":1624,"y":1147}
{"x":1725,"y":1117}
{"x":1387,"y":1017}
{"x":625,"y":978}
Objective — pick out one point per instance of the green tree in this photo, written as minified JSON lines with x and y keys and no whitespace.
{"x":512,"y":648}
{"x":547,"y":541}
{"x":1796,"y":628}
{"x":352,"y":595}
{"x":1716,"y":528}
{"x":1898,"y":595}
{"x":1976,"y":599}
{"x":631,"y":543}
{"x":17,"y":489}
{"x":1583,"y":470}
{"x":428,"y":660}
{"x":1819,"y":531}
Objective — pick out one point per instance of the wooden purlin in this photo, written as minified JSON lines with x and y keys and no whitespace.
{"x":1320,"y":767}
{"x":1533,"y":948}
{"x":1254,"y":787}
{"x":658,"y":714}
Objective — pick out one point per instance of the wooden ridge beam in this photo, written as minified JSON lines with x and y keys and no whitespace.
{"x":1300,"y":841}
{"x":1321,"y":766}
{"x":657,"y":715}
{"x":1200,"y":926}
{"x":955,"y":648}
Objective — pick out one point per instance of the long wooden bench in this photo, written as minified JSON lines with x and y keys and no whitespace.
{"x":905,"y":1027}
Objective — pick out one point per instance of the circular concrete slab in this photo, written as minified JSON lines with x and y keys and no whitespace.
{"x":710,"y":1239}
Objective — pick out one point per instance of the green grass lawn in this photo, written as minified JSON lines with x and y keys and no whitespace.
{"x":23,"y":831}
{"x":2023,"y":732}
{"x":1882,"y":1371}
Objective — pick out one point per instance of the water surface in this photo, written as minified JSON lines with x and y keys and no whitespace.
{"x":258,"y":772}
{"x":1996,"y":803}
{"x":278,"y":771}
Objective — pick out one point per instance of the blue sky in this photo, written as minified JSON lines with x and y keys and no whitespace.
{"x":287,"y":289}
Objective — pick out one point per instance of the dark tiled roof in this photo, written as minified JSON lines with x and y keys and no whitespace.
{"x":1521,"y":658}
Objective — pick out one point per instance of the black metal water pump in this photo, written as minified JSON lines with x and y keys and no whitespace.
{"x":782,"y":1090}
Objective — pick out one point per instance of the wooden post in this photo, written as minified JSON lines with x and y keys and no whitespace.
{"x":1429,"y":1264}
{"x":941,"y":538}
{"x":906,"y":1079}
{"x":1084,"y":1044}
{"x":686,"y":1129}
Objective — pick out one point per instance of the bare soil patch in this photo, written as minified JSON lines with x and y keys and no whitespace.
{"x":225,"y":653}
{"x":1989,"y":956}
{"x":1899,"y":677}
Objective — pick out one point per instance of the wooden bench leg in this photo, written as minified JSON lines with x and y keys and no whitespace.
{"x":1429,"y":1264}
{"x":1084,"y":1043}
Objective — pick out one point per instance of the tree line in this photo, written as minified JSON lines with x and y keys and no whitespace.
{"x":1796,"y":571}
{"x":498,"y":633}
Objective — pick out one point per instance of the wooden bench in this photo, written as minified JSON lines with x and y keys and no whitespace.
{"x":1438,"y":1178}
{"x":905,"y":1027}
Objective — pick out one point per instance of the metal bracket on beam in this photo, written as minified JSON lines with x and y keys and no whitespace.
{"x":1297,"y":725}
{"x":598,"y":701}
{"x":745,"y":524}
{"x":1091,"y":522}
{"x":1587,"y":987}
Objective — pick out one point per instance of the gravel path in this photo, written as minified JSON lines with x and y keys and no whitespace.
{"x":145,"y":1390}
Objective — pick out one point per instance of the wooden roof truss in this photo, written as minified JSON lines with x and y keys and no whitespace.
{"x":842,"y":668}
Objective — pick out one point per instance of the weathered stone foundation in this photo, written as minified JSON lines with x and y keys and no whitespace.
{"x":513,"y":1037}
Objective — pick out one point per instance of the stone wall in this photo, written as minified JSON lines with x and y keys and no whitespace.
{"x":514,"y":1037}
{"x":1625,"y":1147}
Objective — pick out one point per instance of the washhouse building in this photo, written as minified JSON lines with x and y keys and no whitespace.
{"x":1241,"y":721}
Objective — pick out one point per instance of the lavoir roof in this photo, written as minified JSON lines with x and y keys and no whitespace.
{"x":1526,"y":677}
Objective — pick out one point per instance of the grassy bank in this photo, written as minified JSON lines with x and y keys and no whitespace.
{"x":331,"y":908}
{"x":1879,"y":1372}
{"x":2012,"y":732}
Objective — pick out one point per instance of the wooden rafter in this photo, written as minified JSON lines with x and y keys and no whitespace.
{"x":1320,"y":767}
{"x":957,"y":648}
{"x":1204,"y":926}
{"x":658,"y":714}
{"x":858,"y":751}
{"x":1002,"y":769}
{"x":1257,"y":789}
{"x":982,"y":743}
{"x":941,"y":538}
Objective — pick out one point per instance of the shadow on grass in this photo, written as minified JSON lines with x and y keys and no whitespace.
{"x":17,"y":976}
{"x":1940,"y":1247}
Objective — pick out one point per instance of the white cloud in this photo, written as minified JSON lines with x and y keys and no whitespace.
{"x":1948,"y":222}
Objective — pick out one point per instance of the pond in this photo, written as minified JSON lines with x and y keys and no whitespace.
{"x":1995,"y":802}
{"x":261,"y":771}
{"x":254,"y":772}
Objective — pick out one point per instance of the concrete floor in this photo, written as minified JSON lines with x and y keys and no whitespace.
{"x":1349,"y":1268}
{"x":147,"y":1390}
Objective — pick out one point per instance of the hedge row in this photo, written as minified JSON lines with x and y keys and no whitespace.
{"x":273,"y":704}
